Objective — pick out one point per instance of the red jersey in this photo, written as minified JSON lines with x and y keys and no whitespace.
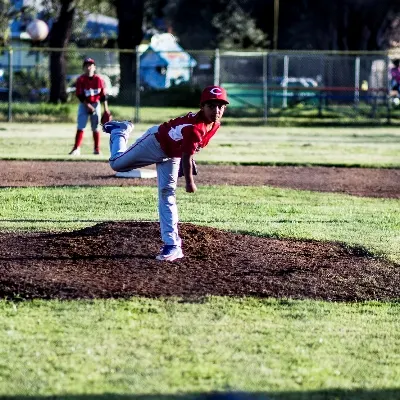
{"x":185,"y":134}
{"x":92,"y":88}
{"x":395,"y":72}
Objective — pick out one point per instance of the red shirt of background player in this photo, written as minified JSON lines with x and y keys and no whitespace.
{"x":395,"y":72}
{"x":91,"y":87}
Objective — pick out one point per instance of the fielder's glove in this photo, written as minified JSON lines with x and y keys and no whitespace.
{"x":194,"y":169}
{"x":106,"y":117}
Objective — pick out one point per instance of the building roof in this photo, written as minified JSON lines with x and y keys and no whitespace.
{"x":164,"y":50}
{"x":99,"y":26}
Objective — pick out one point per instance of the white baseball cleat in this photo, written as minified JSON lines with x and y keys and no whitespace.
{"x":123,"y":126}
{"x":170,"y":253}
{"x":75,"y":152}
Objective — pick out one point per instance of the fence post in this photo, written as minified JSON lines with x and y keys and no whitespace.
{"x":320,"y":100}
{"x":374,"y":105}
{"x":357,"y":82}
{"x":265,"y":87}
{"x":217,"y":68}
{"x":10,"y":83}
{"x":321,"y":82}
{"x":388,"y":100}
{"x":137,"y":92}
{"x":285,"y":79}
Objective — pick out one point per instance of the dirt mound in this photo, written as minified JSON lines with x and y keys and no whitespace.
{"x":116,"y":260}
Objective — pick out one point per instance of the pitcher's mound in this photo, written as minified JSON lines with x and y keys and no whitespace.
{"x":116,"y":260}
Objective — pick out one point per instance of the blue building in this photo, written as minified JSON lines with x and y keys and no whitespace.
{"x":164,"y":63}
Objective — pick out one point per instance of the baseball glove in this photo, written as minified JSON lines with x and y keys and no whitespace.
{"x":106,"y":117}
{"x":194,"y":169}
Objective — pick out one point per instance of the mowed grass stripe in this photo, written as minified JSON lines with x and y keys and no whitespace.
{"x":369,"y":147}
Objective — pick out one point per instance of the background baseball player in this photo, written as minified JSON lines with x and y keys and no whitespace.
{"x":91,"y":92}
{"x":395,"y":76}
{"x":166,"y":145}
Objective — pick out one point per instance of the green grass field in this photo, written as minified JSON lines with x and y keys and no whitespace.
{"x":172,"y":349}
{"x":308,"y":115}
{"x":367,"y":147}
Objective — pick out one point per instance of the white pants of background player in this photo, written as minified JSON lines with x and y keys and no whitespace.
{"x":146,"y":151}
{"x":83,"y":116}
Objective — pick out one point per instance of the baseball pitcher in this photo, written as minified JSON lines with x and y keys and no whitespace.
{"x":169,"y":145}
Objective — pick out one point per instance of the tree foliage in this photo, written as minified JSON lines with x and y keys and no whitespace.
{"x":5,"y":10}
{"x":208,"y":24}
{"x":9,"y":12}
{"x":236,"y":29}
{"x":214,"y":23}
{"x":331,"y":25}
{"x":305,"y":24}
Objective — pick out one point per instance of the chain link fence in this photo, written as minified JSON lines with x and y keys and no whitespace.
{"x":263,"y":85}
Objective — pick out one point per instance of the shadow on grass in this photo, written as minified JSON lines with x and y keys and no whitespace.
{"x":332,"y":394}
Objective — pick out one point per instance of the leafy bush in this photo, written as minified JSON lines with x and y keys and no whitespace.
{"x":38,"y":112}
{"x":25,"y":82}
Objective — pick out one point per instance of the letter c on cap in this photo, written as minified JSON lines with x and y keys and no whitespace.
{"x":216,"y":91}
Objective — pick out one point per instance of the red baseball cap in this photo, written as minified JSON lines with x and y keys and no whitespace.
{"x":214,"y":93}
{"x":88,"y":61}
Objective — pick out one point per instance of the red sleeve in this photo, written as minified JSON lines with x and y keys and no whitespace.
{"x":191,"y":138}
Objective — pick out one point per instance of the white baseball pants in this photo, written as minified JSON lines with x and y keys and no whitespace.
{"x":84,"y":116}
{"x":146,"y":151}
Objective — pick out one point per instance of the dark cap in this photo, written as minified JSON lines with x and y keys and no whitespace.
{"x":88,"y":61}
{"x":214,"y":93}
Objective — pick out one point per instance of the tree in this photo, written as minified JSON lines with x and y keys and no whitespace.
{"x":5,"y":8}
{"x":59,"y":38}
{"x":8,"y":12}
{"x":130,"y":35}
{"x":69,"y":16}
{"x":237,"y":30}
{"x":331,"y":25}
{"x":228,"y":24}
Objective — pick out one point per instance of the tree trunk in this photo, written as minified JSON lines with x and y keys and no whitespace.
{"x":130,"y":35}
{"x":59,"y":38}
